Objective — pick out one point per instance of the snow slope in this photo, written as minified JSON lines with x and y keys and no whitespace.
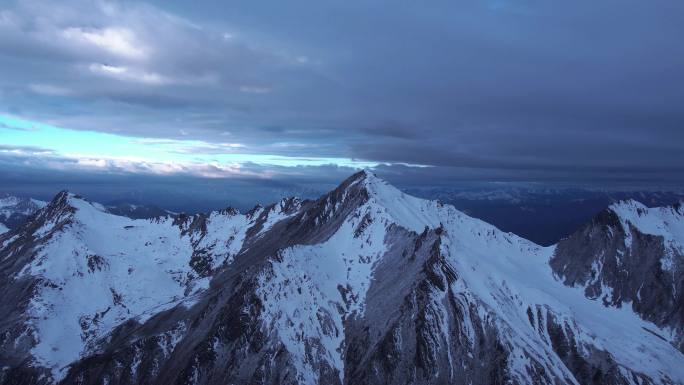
{"x":506,"y":274}
{"x":99,"y":270}
{"x":511,"y":274}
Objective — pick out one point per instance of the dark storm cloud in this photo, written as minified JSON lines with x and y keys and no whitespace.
{"x":482,"y":90}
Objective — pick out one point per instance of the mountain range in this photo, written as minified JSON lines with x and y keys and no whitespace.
{"x":364,"y":285}
{"x":14,"y":211}
{"x":540,"y":213}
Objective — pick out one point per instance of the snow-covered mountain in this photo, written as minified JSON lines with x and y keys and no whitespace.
{"x":539,"y":213}
{"x":632,"y":256}
{"x":14,"y":211}
{"x":366,"y":285}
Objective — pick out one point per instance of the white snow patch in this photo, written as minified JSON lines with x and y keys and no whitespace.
{"x":276,"y":214}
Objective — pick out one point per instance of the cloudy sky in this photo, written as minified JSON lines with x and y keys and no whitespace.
{"x":281,"y":96}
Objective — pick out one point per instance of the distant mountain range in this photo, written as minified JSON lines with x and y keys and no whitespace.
{"x":541,"y":214}
{"x":364,"y":285}
{"x":15,"y":211}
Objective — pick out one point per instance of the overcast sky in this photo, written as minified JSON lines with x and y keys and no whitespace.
{"x":305,"y":92}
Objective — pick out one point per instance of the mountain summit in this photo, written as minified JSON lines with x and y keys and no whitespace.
{"x":365,"y":285}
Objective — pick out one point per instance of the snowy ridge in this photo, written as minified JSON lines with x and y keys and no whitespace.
{"x":496,"y":266}
{"x":507,"y":275}
{"x":630,"y":256}
{"x":276,"y":212}
{"x":302,"y":290}
{"x":667,"y":222}
{"x":98,"y":270}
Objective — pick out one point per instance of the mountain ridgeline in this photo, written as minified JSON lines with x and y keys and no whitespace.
{"x":365,"y":285}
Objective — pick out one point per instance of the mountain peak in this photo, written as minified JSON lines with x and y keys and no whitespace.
{"x":405,"y":210}
{"x":60,"y":204}
{"x":370,"y":182}
{"x":66,"y":204}
{"x":365,"y":173}
{"x":358,"y":177}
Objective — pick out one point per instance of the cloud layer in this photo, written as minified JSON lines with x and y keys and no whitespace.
{"x":481,"y":90}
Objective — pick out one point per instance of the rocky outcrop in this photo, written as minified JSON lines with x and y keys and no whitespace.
{"x":630,"y":255}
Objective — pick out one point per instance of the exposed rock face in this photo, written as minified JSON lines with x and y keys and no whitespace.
{"x":633,"y":256}
{"x":365,"y":285}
